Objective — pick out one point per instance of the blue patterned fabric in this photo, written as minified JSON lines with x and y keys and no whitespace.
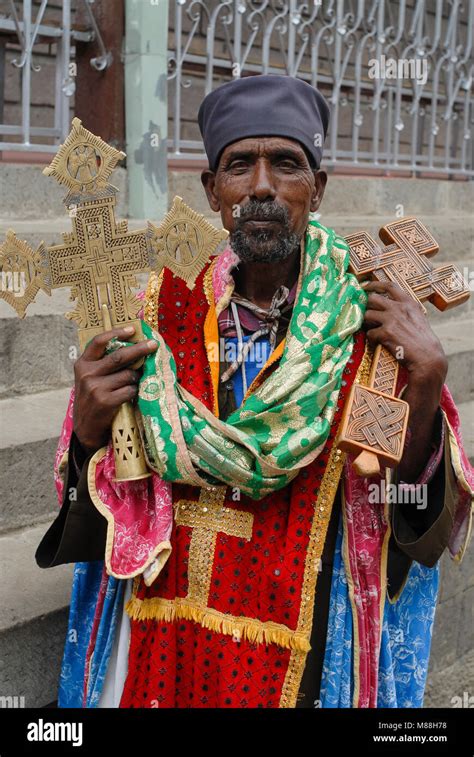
{"x":406,"y":640}
{"x":337,"y":680}
{"x":85,"y":591}
{"x":111,"y":614}
{"x":405,"y":646}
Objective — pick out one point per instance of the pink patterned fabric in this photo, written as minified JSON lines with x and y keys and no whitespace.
{"x":462,"y":468}
{"x":221,"y":276}
{"x":365,"y":529}
{"x":139,"y":513}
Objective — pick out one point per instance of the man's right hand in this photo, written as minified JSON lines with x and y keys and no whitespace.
{"x":102,"y":383}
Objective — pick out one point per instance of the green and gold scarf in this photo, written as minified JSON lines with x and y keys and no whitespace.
{"x":284,"y":424}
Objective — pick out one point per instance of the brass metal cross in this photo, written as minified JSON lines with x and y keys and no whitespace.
{"x":21,"y":272}
{"x":208,"y":517}
{"x":99,"y":261}
{"x":374,"y":422}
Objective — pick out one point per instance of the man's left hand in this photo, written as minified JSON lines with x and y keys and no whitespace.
{"x":395,"y":319}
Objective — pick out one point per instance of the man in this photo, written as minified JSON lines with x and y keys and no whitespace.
{"x":281,"y":580}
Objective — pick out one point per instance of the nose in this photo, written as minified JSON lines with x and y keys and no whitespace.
{"x":262,"y":184}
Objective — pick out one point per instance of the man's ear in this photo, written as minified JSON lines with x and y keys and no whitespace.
{"x":208,"y":180}
{"x":320,"y":179}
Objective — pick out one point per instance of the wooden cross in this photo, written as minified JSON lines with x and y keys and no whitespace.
{"x":207,"y":518}
{"x":405,"y":260}
{"x":374,"y":422}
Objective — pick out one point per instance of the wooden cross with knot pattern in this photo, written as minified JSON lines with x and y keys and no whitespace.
{"x":375,"y":421}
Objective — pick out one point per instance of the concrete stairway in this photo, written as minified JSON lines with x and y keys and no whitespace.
{"x":36,"y":374}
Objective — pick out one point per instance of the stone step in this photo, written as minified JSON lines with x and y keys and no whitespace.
{"x":29,"y":429}
{"x":462,"y":312}
{"x":451,"y":685}
{"x":454,"y":235}
{"x":26,"y":194}
{"x":457,"y":340}
{"x":33,"y":621}
{"x":36,"y":354}
{"x":466,"y":416}
{"x":48,"y":230}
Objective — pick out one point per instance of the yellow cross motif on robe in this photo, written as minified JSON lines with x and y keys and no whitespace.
{"x":208,"y":517}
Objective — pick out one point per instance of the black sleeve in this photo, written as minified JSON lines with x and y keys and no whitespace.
{"x":78,"y":534}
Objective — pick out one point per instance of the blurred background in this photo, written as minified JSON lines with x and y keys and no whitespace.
{"x":398,"y":77}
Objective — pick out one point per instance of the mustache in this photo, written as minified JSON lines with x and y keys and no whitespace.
{"x":263,"y":211}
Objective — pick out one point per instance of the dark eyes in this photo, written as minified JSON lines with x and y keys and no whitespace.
{"x":288,"y":163}
{"x":237,"y":165}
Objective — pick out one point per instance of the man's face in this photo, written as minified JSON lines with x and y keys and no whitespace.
{"x":264,"y":188}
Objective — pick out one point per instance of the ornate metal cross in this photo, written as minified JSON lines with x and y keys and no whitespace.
{"x":375,"y":421}
{"x":22,"y":271}
{"x":207,"y":518}
{"x":100,"y":259}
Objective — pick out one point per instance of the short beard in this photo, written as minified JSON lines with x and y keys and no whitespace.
{"x":262,"y":246}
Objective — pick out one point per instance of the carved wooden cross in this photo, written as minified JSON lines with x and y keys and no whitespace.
{"x":375,"y":421}
{"x":207,"y":518}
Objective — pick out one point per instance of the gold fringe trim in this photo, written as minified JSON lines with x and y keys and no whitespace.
{"x":254,"y":631}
